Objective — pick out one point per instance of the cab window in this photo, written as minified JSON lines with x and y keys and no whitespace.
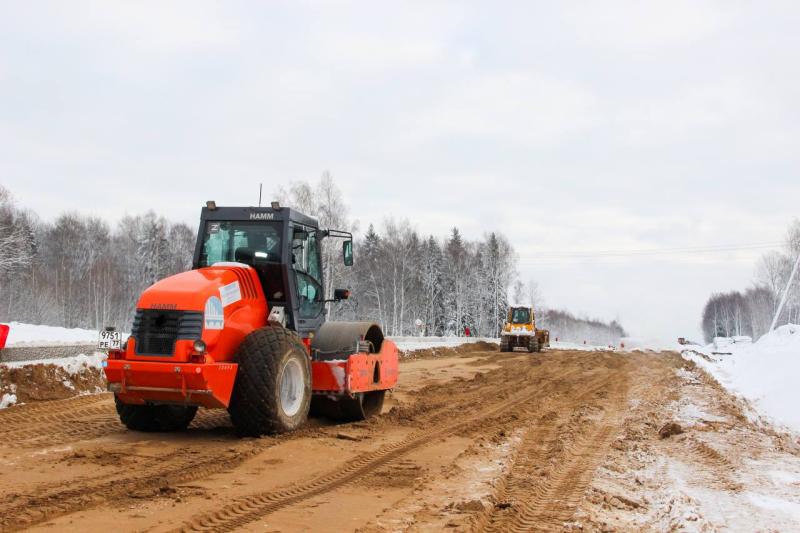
{"x":240,"y":241}
{"x":521,"y":316}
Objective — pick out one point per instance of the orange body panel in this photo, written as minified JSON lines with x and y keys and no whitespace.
{"x":190,"y":291}
{"x":209,"y":379}
{"x":361,"y":372}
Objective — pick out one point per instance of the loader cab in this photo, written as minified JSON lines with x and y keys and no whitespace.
{"x":519,"y":315}
{"x":283,"y":246}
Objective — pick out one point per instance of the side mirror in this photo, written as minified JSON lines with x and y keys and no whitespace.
{"x":347,"y":252}
{"x":340,"y":294}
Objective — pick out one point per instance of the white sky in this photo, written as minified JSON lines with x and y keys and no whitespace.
{"x":569,"y":126}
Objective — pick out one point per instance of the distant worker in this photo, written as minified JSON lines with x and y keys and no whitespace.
{"x":466,"y":331}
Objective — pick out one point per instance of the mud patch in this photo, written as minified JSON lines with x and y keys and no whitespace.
{"x":669,"y":429}
{"x":100,"y":457}
{"x":399,"y":475}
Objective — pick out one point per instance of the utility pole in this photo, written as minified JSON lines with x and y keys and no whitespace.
{"x":785,"y":293}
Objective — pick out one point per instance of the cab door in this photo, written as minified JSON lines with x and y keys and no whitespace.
{"x":306,"y":271}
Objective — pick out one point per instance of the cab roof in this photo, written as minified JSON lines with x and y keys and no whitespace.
{"x":258,"y":214}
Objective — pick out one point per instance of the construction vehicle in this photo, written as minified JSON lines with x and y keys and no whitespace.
{"x":520,"y":331}
{"x":245,"y":330}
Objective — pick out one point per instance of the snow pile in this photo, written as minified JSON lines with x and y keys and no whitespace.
{"x":51,"y":379}
{"x":406,"y":344}
{"x":566,"y":345}
{"x":636,"y":344}
{"x":8,"y":400}
{"x":34,"y":335}
{"x":765,"y":373}
{"x":71,"y":365}
{"x":724,"y":343}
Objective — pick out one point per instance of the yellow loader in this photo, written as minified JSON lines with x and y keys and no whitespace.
{"x":520,"y":331}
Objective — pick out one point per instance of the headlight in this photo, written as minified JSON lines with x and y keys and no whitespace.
{"x":199,"y":346}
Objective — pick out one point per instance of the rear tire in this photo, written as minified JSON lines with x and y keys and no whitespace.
{"x":155,"y":418}
{"x":272,"y":392}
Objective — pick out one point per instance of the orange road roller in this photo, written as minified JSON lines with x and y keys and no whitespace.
{"x":245,"y":330}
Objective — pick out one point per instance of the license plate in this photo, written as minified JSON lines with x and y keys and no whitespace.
{"x":110,"y":340}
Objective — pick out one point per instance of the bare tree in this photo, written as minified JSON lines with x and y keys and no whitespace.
{"x":81,"y":272}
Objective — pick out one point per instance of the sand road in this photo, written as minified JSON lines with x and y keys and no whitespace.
{"x":471,"y":440}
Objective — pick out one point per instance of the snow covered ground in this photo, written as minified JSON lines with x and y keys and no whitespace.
{"x":71,"y":365}
{"x":637,"y":344}
{"x":21,"y":334}
{"x":80,"y":374}
{"x":420,"y":343}
{"x":564,"y":345}
{"x":765,"y":373}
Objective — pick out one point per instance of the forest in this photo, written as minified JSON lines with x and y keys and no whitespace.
{"x":81,"y":271}
{"x":750,"y":312}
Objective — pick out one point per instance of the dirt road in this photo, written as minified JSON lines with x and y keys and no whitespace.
{"x":471,"y":441}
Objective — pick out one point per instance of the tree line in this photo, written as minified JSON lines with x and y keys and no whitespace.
{"x":80,"y":271}
{"x":750,"y":312}
{"x":409,"y":283}
{"x":416,"y":284}
{"x":565,"y":326}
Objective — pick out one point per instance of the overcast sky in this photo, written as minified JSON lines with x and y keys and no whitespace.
{"x":568,"y":126}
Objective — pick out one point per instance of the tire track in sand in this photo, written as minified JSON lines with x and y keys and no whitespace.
{"x":178,"y":466}
{"x":555,"y":463}
{"x":75,"y":419}
{"x":244,"y":510}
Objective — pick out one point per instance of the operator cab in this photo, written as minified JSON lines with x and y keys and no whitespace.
{"x":282,"y":245}
{"x":520,"y":315}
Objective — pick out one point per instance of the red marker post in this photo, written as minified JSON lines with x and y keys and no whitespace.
{"x":3,"y":335}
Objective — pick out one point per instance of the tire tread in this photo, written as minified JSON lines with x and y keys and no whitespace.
{"x":252,"y":409}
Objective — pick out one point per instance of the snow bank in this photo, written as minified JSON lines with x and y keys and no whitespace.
{"x":51,"y":379}
{"x":33,"y":335}
{"x":8,"y":400}
{"x":564,"y":345}
{"x":765,"y":373}
{"x":71,"y":365}
{"x":637,"y":344}
{"x":406,"y":344}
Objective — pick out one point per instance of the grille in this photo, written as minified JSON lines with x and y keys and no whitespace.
{"x":246,"y":284}
{"x":156,"y":330}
